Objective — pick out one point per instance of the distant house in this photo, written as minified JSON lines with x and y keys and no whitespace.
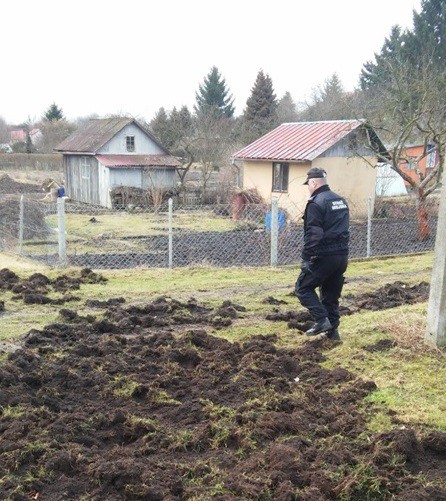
{"x":416,"y":158}
{"x":388,"y":182}
{"x":276,"y":164}
{"x":19,"y":135}
{"x":110,"y":153}
{"x":35,"y":135}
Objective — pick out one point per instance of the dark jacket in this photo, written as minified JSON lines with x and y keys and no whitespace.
{"x":326,"y":224}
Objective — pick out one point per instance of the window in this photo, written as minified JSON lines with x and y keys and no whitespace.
{"x":130,"y":143}
{"x":431,"y":157}
{"x":280,"y":177}
{"x":85,"y":167}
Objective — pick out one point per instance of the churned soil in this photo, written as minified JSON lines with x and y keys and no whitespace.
{"x":35,"y":289}
{"x":143,"y":402}
{"x":10,"y":186}
{"x":388,"y":296}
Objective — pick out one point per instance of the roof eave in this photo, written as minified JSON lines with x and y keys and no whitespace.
{"x":260,"y":159}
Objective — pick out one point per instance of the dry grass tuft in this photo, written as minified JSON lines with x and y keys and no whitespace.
{"x":409,"y":331}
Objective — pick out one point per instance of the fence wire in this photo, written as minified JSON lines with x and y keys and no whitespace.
{"x":215,"y":235}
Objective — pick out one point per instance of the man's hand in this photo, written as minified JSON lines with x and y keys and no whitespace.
{"x":305,"y":266}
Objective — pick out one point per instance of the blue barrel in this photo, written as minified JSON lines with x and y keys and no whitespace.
{"x":280,"y":218}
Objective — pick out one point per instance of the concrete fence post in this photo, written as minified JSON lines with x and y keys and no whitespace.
{"x":21,"y":223}
{"x":274,"y":230}
{"x":170,"y":233}
{"x":369,"y":226}
{"x":62,"y":233}
{"x":436,"y":309}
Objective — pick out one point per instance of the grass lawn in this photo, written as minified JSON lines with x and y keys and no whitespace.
{"x":127,"y":224}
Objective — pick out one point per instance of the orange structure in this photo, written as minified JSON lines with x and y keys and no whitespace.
{"x":427,"y":163}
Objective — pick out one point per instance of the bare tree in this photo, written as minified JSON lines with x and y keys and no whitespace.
{"x":53,"y":133}
{"x":411,"y":109}
{"x":213,"y":140}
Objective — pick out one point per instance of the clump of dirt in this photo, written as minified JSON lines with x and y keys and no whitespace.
{"x":142,"y":403}
{"x":64,"y":283}
{"x":381,"y":345}
{"x":96,"y":303}
{"x":273,"y":300}
{"x":35,"y":289}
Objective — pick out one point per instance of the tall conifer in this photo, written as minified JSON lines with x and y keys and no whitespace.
{"x":260,"y":114}
{"x":213,"y":96}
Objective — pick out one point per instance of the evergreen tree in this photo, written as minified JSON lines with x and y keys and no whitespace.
{"x":182,"y":121}
{"x":213,"y":96}
{"x":29,"y":148}
{"x":260,"y":114}
{"x":429,"y":33}
{"x":329,"y":102}
{"x":375,"y":73}
{"x":160,"y":127}
{"x":286,"y":109}
{"x":54,"y":113}
{"x":414,"y":49}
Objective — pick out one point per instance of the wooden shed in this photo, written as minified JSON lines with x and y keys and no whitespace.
{"x":110,"y":153}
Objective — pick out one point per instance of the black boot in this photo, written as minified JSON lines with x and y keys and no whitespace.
{"x":322,"y":325}
{"x":333,"y":334}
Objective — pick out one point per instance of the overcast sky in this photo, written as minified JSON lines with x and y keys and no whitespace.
{"x":95,"y":56}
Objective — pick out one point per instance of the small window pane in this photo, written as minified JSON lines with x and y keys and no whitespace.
{"x":85,"y":167}
{"x":280,"y":177}
{"x":130,"y":143}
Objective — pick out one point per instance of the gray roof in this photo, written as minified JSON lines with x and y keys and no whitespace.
{"x":97,"y":132}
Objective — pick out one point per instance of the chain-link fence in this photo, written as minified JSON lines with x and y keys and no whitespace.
{"x":62,"y":232}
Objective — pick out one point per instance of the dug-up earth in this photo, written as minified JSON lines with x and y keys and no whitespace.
{"x":142,"y":402}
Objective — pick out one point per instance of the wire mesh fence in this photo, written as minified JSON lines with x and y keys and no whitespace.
{"x":62,"y":232}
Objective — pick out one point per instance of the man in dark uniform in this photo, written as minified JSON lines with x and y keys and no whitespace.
{"x":324,"y":255}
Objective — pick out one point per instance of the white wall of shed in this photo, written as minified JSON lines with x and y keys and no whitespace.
{"x":143,"y":144}
{"x":145,"y":178}
{"x":104,"y":186}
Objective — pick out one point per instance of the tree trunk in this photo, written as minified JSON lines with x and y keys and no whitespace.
{"x":423,"y":216}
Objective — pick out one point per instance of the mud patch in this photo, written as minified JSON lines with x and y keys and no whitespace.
{"x":392,"y":295}
{"x":381,"y":345}
{"x":273,"y":300}
{"x":142,"y":403}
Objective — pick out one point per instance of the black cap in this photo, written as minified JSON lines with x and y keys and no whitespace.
{"x":315,"y":172}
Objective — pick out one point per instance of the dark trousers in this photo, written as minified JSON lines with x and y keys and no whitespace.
{"x":326,"y":272}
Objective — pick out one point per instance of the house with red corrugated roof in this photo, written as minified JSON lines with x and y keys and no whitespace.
{"x":276,"y":164}
{"x":107,"y":154}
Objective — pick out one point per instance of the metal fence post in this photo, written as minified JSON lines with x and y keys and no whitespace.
{"x":170,"y":233}
{"x":274,"y":230}
{"x":62,"y":231}
{"x":21,"y":217}
{"x":369,"y":226}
